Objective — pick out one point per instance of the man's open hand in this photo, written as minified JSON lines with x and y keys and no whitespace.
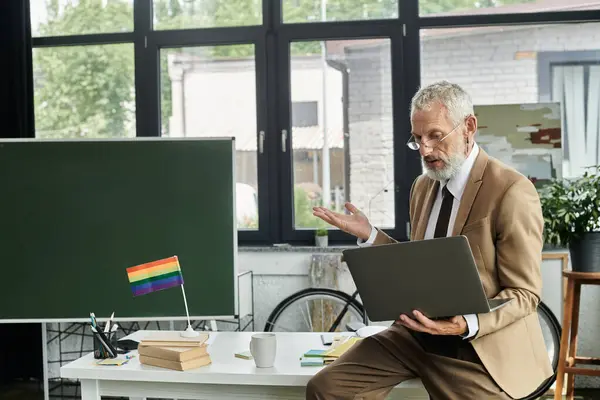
{"x":356,"y":223}
{"x":453,"y":326}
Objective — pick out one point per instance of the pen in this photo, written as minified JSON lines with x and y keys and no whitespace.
{"x":107,"y":346}
{"x":101,"y":349}
{"x":108,"y":323}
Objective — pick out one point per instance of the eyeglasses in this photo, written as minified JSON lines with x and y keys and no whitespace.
{"x":414,"y":145}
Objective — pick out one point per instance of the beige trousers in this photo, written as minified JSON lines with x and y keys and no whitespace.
{"x":372,"y":367}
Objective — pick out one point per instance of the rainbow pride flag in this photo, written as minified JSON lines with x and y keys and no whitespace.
{"x":154,"y":276}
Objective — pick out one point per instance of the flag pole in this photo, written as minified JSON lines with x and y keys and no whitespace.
{"x":189,"y":332}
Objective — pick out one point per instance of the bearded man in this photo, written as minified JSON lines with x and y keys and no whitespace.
{"x":464,"y":191}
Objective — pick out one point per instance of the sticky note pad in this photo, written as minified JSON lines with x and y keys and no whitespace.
{"x":315,"y":353}
{"x":113,"y":361}
{"x":311,"y":362}
{"x":246,"y":355}
{"x":341,"y":348}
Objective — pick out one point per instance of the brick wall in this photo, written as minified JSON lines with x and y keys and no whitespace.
{"x":371,"y":133}
{"x":499,"y":66}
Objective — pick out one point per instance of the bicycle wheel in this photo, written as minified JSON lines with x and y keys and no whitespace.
{"x":314,"y":310}
{"x":551,"y":330}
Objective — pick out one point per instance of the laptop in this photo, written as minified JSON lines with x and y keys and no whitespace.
{"x":438,"y":277}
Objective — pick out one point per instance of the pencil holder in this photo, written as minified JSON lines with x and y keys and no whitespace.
{"x":100,"y":351}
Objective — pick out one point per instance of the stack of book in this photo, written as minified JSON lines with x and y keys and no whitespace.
{"x":170,"y":350}
{"x":318,"y":357}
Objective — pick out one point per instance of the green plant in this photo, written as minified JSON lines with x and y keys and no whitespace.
{"x":571,"y":208}
{"x":303,"y":211}
{"x":321,"y":232}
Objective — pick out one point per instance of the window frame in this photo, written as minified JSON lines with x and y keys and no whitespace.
{"x":272,"y":74}
{"x":385,"y":29}
{"x":159,"y":40}
{"x":549,"y":59}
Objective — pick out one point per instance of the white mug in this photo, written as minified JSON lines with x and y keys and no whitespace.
{"x":263,"y":347}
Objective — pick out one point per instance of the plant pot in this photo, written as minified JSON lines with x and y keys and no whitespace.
{"x":321,"y":241}
{"x":585,"y":253}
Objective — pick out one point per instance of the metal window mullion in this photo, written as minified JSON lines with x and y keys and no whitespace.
{"x":509,"y":19}
{"x":83,"y":40}
{"x":147,"y":67}
{"x":207,"y":36}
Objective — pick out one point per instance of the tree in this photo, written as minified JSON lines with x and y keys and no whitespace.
{"x":337,"y":10}
{"x":439,"y":6}
{"x":344,"y":10}
{"x":84,"y":91}
{"x":89,"y":90}
{"x":166,"y":11}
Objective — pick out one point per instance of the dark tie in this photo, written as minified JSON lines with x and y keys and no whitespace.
{"x":448,"y":346}
{"x":441,"y":227}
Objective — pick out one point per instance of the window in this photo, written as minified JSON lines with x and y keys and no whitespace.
{"x":60,"y":18}
{"x":316,"y":92}
{"x":572,"y":78}
{"x":505,"y":65}
{"x":346,"y":153}
{"x":169,"y":14}
{"x":305,"y":113}
{"x":337,"y":10}
{"x":201,"y":88}
{"x":488,"y":7}
{"x":84,"y":91}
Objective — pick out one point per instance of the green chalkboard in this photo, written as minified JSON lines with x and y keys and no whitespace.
{"x":75,"y":214}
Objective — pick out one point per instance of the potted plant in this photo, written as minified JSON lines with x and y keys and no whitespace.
{"x":571,"y":209}
{"x":321,"y":237}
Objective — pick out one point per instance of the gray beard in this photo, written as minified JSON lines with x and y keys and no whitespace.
{"x":453,"y":165}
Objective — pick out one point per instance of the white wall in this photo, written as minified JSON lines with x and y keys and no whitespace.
{"x":206,"y":94}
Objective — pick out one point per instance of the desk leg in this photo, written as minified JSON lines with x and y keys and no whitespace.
{"x":90,"y":390}
{"x":45,"y":361}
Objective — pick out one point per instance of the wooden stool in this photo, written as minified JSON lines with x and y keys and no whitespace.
{"x":566,"y":363}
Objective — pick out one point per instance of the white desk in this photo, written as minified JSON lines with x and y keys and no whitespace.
{"x":226,"y":378}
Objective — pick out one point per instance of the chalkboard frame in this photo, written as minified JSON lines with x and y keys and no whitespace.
{"x":234,"y":249}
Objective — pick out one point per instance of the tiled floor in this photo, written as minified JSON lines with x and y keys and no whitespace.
{"x":33,"y":391}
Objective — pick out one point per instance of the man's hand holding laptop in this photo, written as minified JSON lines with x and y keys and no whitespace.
{"x":453,"y":326}
{"x":357,"y":224}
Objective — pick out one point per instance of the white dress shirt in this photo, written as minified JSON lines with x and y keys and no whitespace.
{"x":456,"y":186}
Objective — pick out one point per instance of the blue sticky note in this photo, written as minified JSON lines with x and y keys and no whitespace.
{"x":315,"y":353}
{"x":311,"y":362}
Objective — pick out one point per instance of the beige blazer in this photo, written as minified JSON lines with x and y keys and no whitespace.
{"x":501,"y":216}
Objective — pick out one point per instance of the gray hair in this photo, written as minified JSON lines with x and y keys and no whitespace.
{"x":456,"y":100}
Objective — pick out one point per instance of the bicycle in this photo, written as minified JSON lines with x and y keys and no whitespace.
{"x":351,"y":315}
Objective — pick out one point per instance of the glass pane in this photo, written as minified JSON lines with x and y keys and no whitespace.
{"x":59,"y":18}
{"x":526,"y":68}
{"x":337,"y":10}
{"x":84,"y":91}
{"x":343,"y":89}
{"x":186,"y":14}
{"x":457,"y":7}
{"x":210,"y":91}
